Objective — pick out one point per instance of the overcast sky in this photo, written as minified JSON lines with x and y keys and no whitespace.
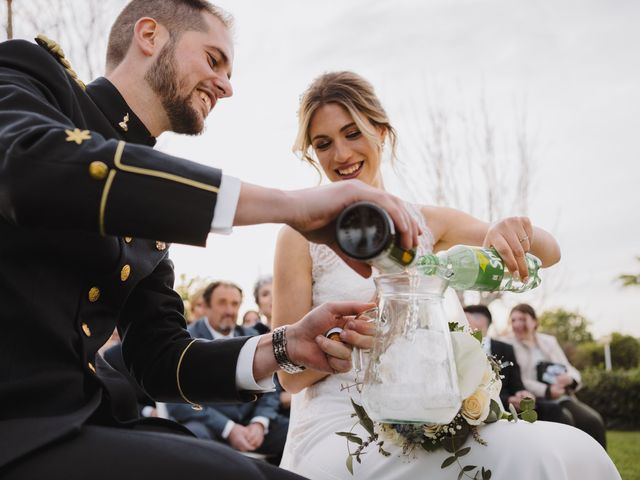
{"x":573,"y":65}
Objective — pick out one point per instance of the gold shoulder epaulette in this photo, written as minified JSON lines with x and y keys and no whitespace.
{"x":58,"y":54}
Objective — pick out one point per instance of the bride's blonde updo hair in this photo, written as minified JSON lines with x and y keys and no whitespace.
{"x":353,"y":93}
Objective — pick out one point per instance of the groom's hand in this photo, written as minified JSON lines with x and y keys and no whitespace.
{"x":317,"y":208}
{"x":307,"y":345}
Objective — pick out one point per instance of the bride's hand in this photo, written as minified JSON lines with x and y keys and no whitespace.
{"x":512,"y":237}
{"x":307,"y":345}
{"x":358,"y":332}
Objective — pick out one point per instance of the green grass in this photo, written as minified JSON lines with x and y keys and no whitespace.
{"x":624,"y":449}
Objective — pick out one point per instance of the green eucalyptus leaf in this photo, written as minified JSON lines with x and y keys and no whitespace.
{"x":468,"y":468}
{"x":365,"y":421}
{"x":453,"y":443}
{"x":477,"y":335}
{"x":495,"y":412}
{"x":350,"y":464}
{"x":529,"y":416}
{"x":352,"y":437}
{"x":527,"y":404}
{"x":454,"y":327}
{"x":448,"y":461}
{"x":463,"y":451}
{"x":430,"y":446}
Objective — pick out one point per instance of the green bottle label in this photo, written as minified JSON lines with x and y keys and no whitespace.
{"x":490,"y":270}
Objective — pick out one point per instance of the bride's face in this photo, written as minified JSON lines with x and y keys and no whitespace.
{"x":343,"y":151}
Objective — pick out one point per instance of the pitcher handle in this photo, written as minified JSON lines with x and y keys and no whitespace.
{"x":356,"y":354}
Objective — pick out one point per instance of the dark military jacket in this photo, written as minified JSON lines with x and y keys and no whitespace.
{"x":86,"y":206}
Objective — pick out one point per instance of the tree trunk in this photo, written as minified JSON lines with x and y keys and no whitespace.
{"x":9,"y":20}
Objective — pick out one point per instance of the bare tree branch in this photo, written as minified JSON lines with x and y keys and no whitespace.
{"x":80,"y":27}
{"x":458,"y":156}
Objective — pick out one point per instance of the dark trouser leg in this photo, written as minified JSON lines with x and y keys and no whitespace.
{"x":273,"y":444}
{"x":587,"y":420}
{"x":553,"y":412}
{"x":105,"y":453}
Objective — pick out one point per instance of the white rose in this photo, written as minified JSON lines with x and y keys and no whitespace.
{"x":389,"y":433}
{"x":471,"y":361}
{"x":491,"y":381}
{"x":430,"y":430}
{"x":475,"y":408}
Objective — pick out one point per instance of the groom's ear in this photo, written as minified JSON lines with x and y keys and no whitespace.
{"x":148,"y":36}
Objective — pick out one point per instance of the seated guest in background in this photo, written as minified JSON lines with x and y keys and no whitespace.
{"x":513,"y":390}
{"x":196,"y":306}
{"x":247,"y":427}
{"x":250,"y":318}
{"x":547,"y":373}
{"x":262,"y":296}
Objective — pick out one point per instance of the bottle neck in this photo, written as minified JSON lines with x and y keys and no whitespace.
{"x":435,"y":264}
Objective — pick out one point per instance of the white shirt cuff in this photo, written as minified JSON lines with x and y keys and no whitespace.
{"x":147,"y":410}
{"x":244,"y":370}
{"x":264,"y":421}
{"x":226,"y":204}
{"x":227,"y":429}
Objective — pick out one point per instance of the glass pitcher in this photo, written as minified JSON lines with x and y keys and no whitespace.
{"x":409,"y":375}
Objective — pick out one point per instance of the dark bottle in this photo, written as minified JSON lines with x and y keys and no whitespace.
{"x":365,"y":231}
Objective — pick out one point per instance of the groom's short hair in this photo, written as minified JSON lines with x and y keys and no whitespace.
{"x":177,"y":16}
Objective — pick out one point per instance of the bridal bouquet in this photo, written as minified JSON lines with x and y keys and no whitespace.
{"x":479,"y":383}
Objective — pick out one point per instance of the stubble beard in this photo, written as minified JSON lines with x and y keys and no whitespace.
{"x":163,"y":80}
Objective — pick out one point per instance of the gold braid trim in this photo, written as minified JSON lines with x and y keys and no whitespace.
{"x":195,"y":406}
{"x":103,"y":200}
{"x":156,"y":173}
{"x":58,"y":54}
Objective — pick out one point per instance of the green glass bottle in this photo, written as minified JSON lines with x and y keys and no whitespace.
{"x":365,"y":231}
{"x":477,"y":268}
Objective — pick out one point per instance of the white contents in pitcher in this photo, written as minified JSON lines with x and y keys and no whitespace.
{"x":414,"y":383}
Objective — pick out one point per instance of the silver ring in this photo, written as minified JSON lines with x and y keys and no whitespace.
{"x":524,"y":239}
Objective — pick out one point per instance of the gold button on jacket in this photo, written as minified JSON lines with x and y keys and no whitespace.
{"x":94,"y":294}
{"x":98,"y":170}
{"x":86,"y":329}
{"x":125,"y":272}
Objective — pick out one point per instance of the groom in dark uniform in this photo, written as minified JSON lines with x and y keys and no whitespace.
{"x":86,"y":210}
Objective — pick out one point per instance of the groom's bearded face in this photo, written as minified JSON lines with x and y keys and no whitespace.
{"x":163,"y":79}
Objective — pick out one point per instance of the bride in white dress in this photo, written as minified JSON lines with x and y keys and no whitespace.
{"x":343,"y":127}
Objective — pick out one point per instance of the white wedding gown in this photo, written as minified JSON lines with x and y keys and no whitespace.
{"x":538,"y":451}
